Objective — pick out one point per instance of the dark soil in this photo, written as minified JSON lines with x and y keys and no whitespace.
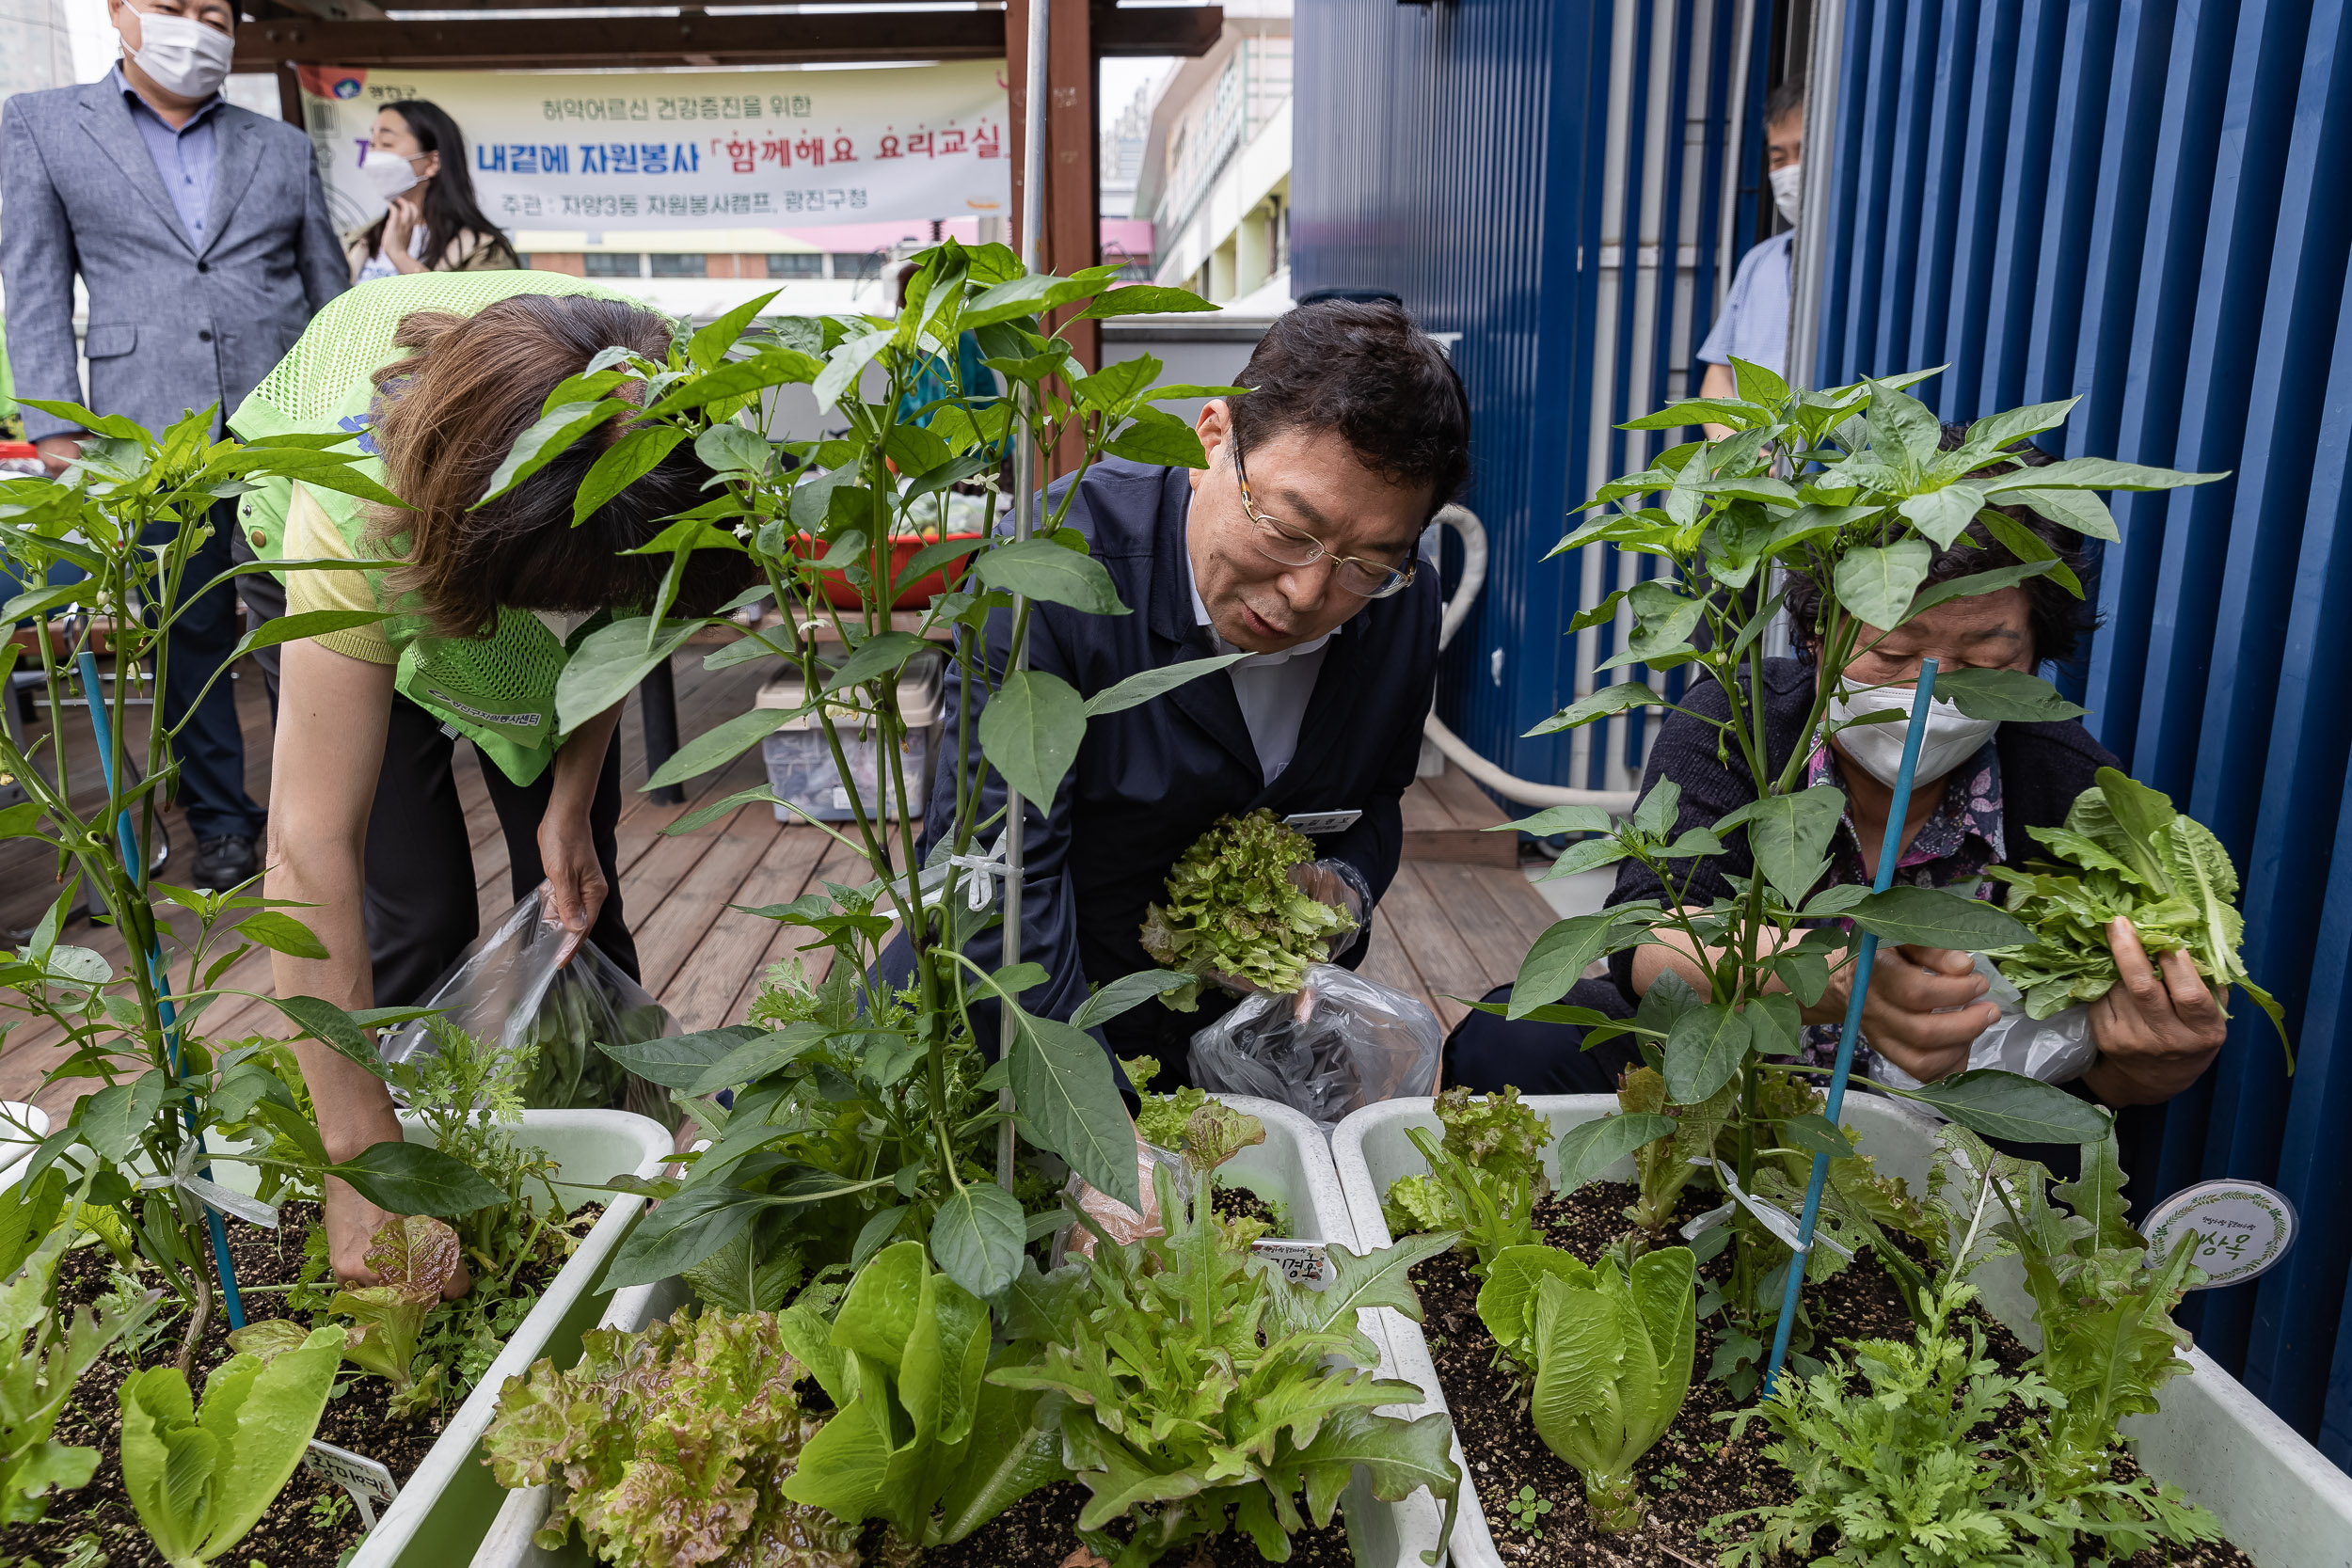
{"x":1696,"y":1471}
{"x":298,"y":1530}
{"x":1240,"y":1203}
{"x":1041,"y":1531}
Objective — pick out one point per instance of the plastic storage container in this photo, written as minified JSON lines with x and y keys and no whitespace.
{"x":800,"y":764}
{"x":2277,"y":1498}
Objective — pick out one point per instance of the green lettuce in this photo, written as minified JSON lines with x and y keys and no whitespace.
{"x":1196,"y":1393}
{"x":1485,"y":1175}
{"x":2124,"y":852}
{"x":1612,"y":1353}
{"x":201,"y":1478}
{"x":920,"y":1439}
{"x":670,"y":1447}
{"x":1232,"y":910}
{"x":48,"y":1353}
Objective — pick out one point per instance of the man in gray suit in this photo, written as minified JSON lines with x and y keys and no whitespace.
{"x":201,"y":231}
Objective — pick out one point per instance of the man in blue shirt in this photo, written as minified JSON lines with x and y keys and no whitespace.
{"x":1755,"y":324}
{"x":201,"y":233}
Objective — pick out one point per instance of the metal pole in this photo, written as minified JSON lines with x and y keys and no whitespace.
{"x":1811,"y":261}
{"x":1727,"y":243}
{"x":1024,"y":523}
{"x":1890,"y":849}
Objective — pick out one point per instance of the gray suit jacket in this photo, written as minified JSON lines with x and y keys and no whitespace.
{"x":172,"y":327}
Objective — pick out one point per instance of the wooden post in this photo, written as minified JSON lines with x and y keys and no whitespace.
{"x":290,"y":97}
{"x":1073,"y":226}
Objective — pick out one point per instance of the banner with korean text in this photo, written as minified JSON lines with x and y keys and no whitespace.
{"x":671,"y":150}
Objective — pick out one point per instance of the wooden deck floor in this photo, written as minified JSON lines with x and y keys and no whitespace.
{"x":1449,"y":929}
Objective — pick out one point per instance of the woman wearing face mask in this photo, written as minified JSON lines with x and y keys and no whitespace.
{"x":439,"y":375}
{"x":1979,"y":788}
{"x":416,"y":162}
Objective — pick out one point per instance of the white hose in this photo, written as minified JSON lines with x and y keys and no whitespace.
{"x":1457,"y":751}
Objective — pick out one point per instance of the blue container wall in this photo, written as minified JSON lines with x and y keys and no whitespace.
{"x":2121,"y":200}
{"x":2141,"y":205}
{"x":1546,"y":179}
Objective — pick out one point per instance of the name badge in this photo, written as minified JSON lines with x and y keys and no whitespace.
{"x":1316,"y":823}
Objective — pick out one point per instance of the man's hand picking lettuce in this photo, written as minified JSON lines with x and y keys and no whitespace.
{"x":1236,"y":911}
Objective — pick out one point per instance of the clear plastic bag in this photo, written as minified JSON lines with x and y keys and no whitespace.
{"x":507,"y":990}
{"x":1340,"y":1043}
{"x":2056,"y":1050}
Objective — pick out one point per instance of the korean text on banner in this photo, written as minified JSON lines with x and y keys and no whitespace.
{"x":617,"y":150}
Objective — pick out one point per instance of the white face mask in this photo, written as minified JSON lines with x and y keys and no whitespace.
{"x":1786,"y":182}
{"x":388,"y":173}
{"x":1951,"y":738}
{"x":183,"y":57}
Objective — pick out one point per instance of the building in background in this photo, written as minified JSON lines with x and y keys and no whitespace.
{"x":39,"y":52}
{"x":1126,"y":235}
{"x":1216,"y":175}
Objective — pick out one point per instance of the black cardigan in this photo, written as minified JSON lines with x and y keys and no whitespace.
{"x":2044,"y":768}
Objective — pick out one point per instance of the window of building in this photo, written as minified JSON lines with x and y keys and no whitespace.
{"x":604,"y":264}
{"x":850,"y":265}
{"x":801,"y":263}
{"x":681,"y":266}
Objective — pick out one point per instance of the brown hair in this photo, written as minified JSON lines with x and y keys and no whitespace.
{"x":445,"y":419}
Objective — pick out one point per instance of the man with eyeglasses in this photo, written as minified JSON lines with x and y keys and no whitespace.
{"x":1295,"y":546}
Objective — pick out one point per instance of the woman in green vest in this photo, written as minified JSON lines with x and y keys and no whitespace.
{"x":438,"y":374}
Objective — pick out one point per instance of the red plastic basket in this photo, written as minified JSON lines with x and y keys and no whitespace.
{"x":843,"y":595}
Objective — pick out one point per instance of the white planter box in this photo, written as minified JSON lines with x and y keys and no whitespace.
{"x":1293,"y":1168}
{"x":444,"y":1508}
{"x":2281,"y":1502}
{"x":22,"y":1129}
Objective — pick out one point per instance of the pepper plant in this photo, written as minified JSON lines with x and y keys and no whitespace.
{"x":873,"y":1091}
{"x":124,"y":523}
{"x":1849,"y":486}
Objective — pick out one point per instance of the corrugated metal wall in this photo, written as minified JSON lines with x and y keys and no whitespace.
{"x":2143,"y":203}
{"x":1548,"y":178}
{"x":2121,"y":199}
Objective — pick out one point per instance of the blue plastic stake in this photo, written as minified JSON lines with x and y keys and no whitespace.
{"x":1890,"y":849}
{"x":135,"y":865}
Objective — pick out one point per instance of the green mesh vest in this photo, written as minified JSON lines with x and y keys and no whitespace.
{"x":499,"y":691}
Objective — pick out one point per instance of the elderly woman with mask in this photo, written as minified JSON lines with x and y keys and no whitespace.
{"x":1979,"y":787}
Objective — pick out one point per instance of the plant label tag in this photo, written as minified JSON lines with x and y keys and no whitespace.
{"x":2243,"y":1227}
{"x":1300,"y":1262}
{"x":367,"y":1482}
{"x":1318,"y":823}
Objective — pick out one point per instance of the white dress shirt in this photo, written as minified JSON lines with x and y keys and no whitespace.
{"x":1272,"y":689}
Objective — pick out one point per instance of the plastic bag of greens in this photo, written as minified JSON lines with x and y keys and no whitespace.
{"x":506,"y":991}
{"x":1337,"y":1044}
{"x":2056,"y":1050}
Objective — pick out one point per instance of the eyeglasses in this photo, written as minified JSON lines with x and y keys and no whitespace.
{"x":1291,"y":547}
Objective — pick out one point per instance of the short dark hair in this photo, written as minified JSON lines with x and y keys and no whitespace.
{"x":2056,"y":619}
{"x":446,"y":416}
{"x":1363,"y":369}
{"x":1783,"y":101}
